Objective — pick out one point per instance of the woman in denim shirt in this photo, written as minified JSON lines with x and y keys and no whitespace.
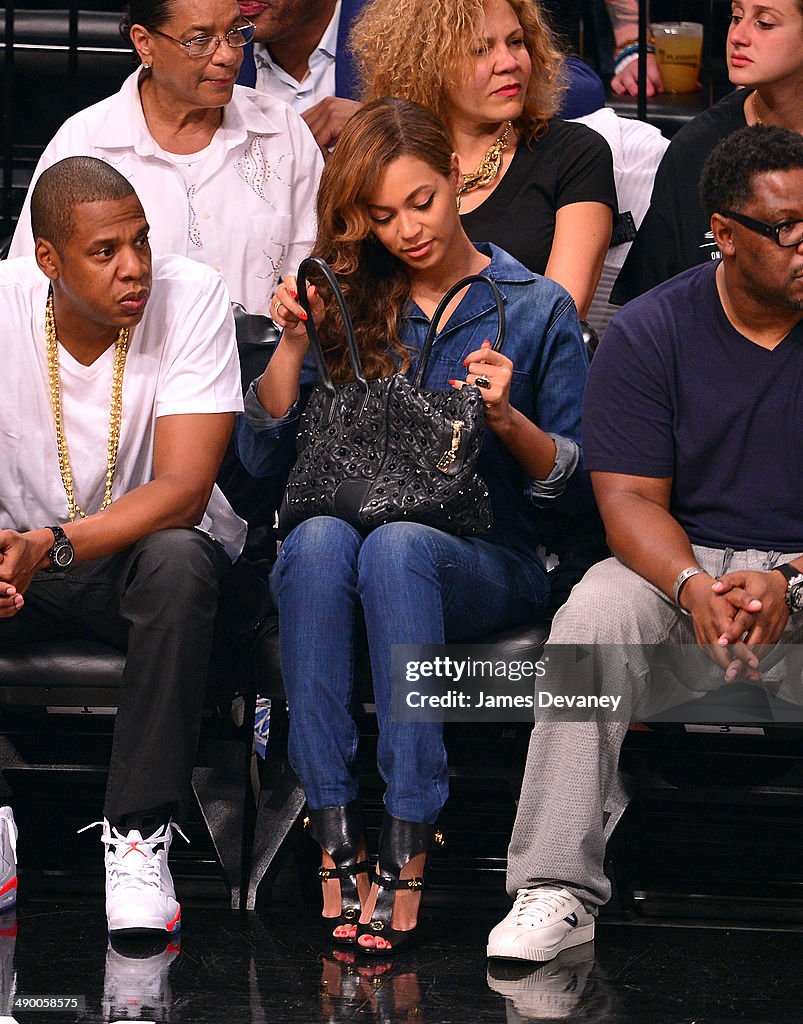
{"x":389,"y":226}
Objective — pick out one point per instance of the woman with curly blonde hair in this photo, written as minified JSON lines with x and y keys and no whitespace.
{"x":539,"y":187}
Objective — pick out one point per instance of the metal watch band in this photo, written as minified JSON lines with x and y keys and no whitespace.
{"x":61,"y":555}
{"x":58,"y":535}
{"x":794,"y":585}
{"x":686,"y":574}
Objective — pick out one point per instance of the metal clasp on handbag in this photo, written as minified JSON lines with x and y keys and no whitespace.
{"x":450,"y":454}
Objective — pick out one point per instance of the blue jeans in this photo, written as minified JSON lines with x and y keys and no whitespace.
{"x":412,"y":584}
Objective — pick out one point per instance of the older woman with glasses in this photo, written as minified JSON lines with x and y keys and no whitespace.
{"x":227,"y":176}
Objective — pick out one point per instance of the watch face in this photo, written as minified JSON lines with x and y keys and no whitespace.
{"x":794,"y":595}
{"x":63,"y":555}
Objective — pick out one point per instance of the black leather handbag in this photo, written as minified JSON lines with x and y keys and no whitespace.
{"x":382,"y":451}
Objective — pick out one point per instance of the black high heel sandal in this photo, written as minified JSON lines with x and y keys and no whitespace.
{"x":339,"y":831}
{"x":399,"y":842}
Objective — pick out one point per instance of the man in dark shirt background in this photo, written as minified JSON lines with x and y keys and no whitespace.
{"x":691,"y":432}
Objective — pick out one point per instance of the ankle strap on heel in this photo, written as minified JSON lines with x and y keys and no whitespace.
{"x":389,"y":882}
{"x":347,"y":871}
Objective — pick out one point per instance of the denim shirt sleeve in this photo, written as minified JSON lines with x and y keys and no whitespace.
{"x":266,"y":445}
{"x":567,"y":457}
{"x":544,"y":342}
{"x":559,"y":381}
{"x":258,"y":418}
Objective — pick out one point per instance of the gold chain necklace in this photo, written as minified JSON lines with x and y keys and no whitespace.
{"x":115,"y":412}
{"x":489,"y":165}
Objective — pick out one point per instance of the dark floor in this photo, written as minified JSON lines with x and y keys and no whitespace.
{"x":267,"y":968}
{"x":712,"y":872}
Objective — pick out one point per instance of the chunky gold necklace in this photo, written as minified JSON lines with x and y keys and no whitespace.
{"x":115,"y":412}
{"x":489,"y":165}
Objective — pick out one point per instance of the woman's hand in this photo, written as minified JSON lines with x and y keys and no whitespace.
{"x":277,"y":389}
{"x":533,"y":449}
{"x":492,"y":373}
{"x":288,"y":313}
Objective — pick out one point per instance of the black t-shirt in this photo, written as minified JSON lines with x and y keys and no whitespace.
{"x":675,"y":233}
{"x":676,"y":391}
{"x":570,"y":164}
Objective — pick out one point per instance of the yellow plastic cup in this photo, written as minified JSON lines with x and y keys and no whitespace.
{"x":679,"y":50}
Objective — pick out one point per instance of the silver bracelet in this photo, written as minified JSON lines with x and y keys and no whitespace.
{"x":686,"y":574}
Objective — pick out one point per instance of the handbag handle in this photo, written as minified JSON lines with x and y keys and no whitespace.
{"x":314,"y":262}
{"x":429,"y":341}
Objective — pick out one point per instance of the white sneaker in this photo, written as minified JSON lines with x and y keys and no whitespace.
{"x":139,"y":889}
{"x":8,"y":859}
{"x":543,"y":921}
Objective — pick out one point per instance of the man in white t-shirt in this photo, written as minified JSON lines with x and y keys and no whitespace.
{"x":120,"y":388}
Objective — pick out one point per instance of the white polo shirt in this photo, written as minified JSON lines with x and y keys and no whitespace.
{"x":182,"y":359}
{"x":245,"y":207}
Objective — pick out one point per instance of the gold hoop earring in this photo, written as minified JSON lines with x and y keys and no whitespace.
{"x":459,"y":203}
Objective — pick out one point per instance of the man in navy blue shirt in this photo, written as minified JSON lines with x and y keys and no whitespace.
{"x":691,"y":432}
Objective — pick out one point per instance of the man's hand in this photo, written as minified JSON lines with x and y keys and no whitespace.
{"x":326,"y":120}
{"x":713,"y":616}
{"x":10,"y":601}
{"x":765,"y":591}
{"x":22,"y":555}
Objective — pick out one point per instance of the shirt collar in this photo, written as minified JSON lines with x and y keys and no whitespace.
{"x":503,"y":270}
{"x":125,"y":126}
{"x":504,"y":267}
{"x":327,"y":44}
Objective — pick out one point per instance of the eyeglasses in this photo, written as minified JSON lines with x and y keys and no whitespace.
{"x":786,"y":233}
{"x":205,"y":46}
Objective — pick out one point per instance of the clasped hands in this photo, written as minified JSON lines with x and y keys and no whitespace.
{"x":738,"y":619}
{"x":21,"y":556}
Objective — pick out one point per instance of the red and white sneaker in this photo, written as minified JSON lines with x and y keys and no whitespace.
{"x":139,"y":888}
{"x":8,"y":859}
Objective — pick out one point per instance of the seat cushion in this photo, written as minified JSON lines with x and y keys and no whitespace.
{"x":518,"y":640}
{"x":36,"y":673}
